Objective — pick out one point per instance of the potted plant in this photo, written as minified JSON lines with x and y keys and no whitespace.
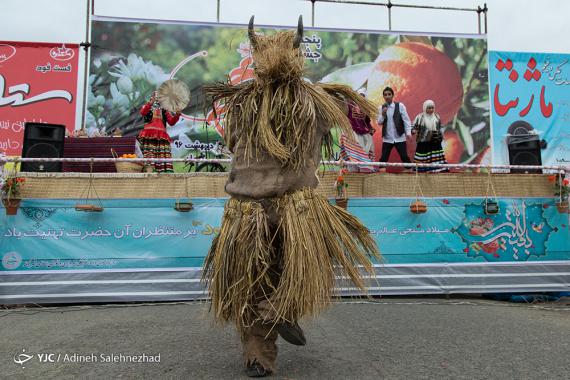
{"x":11,"y":193}
{"x":561,"y":191}
{"x":340,"y":185}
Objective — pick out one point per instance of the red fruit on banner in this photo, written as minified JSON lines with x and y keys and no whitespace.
{"x":417,"y":72}
{"x":453,"y":147}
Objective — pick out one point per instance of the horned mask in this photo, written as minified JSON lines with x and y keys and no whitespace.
{"x":277,"y":57}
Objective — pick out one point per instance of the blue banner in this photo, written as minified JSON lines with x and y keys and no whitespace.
{"x":50,"y":235}
{"x":529,"y":93}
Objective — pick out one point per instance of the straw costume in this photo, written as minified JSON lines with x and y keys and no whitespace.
{"x":280,"y":243}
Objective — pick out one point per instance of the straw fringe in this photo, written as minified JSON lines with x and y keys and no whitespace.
{"x":317,"y":238}
{"x":238,"y":262}
{"x":278,"y":113}
{"x":314,"y":241}
{"x":281,"y":120}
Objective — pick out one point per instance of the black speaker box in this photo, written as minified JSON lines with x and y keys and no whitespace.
{"x":42,"y":141}
{"x":525,"y":150}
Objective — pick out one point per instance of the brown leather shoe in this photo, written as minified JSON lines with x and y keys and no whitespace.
{"x":292,"y":333}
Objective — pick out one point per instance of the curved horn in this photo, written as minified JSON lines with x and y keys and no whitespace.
{"x":250,"y":32}
{"x":299,"y":36}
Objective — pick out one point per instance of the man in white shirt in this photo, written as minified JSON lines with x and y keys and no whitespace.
{"x":396,"y":127}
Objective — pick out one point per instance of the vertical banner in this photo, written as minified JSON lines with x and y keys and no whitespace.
{"x":531,"y":107}
{"x":38,"y":83}
{"x":129,"y":61}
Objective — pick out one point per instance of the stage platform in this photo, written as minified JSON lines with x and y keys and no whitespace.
{"x":139,"y":248}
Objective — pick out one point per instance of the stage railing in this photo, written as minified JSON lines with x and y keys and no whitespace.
{"x":560,"y":168}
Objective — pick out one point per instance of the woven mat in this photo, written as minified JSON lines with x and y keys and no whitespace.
{"x":211,"y":185}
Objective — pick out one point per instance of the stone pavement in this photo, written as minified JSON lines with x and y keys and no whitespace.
{"x":388,"y":338}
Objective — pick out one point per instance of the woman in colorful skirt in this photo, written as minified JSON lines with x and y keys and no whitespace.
{"x":427,"y":128}
{"x":153,"y":139}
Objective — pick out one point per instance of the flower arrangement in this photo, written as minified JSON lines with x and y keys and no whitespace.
{"x":340,"y":184}
{"x":561,"y":188}
{"x":11,"y":193}
{"x":561,"y":191}
{"x":12,"y":187}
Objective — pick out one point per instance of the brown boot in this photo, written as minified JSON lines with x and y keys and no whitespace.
{"x":260,"y":350}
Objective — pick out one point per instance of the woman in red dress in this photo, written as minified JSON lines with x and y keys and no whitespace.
{"x":153,"y":139}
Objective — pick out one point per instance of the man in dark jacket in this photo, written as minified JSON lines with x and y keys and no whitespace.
{"x":396,"y":126}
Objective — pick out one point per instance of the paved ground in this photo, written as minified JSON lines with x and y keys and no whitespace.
{"x":394,"y":338}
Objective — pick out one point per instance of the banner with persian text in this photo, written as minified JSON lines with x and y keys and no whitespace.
{"x":130,"y":59}
{"x":531,"y":107}
{"x":50,"y":235}
{"x":38,"y":83}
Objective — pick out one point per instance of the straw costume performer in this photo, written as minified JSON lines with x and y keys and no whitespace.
{"x":280,"y":243}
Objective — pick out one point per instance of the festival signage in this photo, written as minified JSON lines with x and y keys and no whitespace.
{"x":38,"y":83}
{"x":50,"y":235}
{"x":129,"y":60}
{"x":530,"y":104}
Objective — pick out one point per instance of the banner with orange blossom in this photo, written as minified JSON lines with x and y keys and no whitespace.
{"x":129,"y":60}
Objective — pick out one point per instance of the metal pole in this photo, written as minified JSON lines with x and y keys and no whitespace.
{"x":313,"y":13}
{"x":86,"y":45}
{"x":485,"y":9}
{"x":396,"y":5}
{"x":218,"y":11}
{"x":389,"y":14}
{"x":479,"y":10}
{"x":349,"y":2}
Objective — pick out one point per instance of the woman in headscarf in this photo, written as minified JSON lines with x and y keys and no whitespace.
{"x":427,"y":128}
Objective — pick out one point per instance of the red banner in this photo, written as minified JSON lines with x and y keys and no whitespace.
{"x":38,"y":83}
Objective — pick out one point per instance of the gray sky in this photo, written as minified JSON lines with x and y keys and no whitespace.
{"x":514,"y":25}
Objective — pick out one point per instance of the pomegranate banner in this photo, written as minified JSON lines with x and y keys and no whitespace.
{"x":129,"y":61}
{"x":531,"y":108}
{"x":38,"y":83}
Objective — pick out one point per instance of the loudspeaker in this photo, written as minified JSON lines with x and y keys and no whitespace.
{"x":524,"y":150}
{"x":42,"y":141}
